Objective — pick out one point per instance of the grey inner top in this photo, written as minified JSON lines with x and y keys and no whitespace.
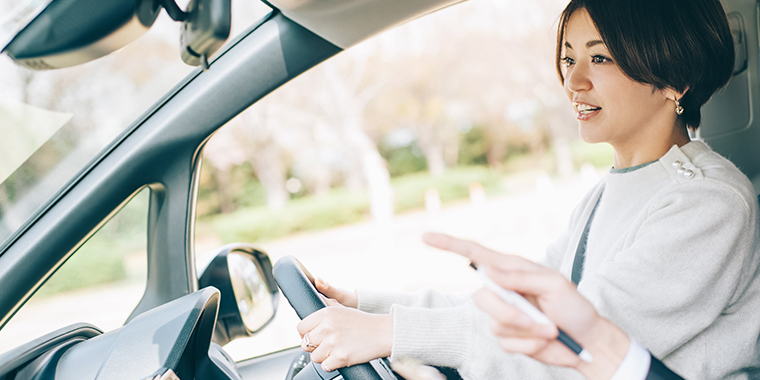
{"x":632,"y":168}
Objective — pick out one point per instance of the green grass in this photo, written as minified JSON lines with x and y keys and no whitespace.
{"x":409,"y":191}
{"x":341,"y":207}
{"x":336,"y":208}
{"x":101,"y":259}
{"x":96,"y":263}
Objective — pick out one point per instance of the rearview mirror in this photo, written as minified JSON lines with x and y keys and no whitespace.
{"x":66,"y":33}
{"x":71,"y":32}
{"x":243,"y":275}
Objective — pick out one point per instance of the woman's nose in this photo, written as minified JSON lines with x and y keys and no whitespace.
{"x":577,"y":79}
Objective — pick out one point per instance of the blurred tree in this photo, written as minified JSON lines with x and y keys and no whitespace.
{"x":331,"y":102}
{"x":315,"y":147}
{"x":473,"y":149}
{"x":252,"y":136}
{"x":424,"y":99}
{"x":403,"y":160}
{"x":494,"y":69}
{"x":223,"y":152}
{"x":345,"y":104}
{"x":265,"y":153}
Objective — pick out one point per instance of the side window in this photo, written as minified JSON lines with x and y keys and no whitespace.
{"x":424,"y":128}
{"x":100,"y":283}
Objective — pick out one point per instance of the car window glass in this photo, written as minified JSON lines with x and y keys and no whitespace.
{"x":417,"y":130}
{"x":83,"y":109}
{"x":16,"y":15}
{"x":99,"y":284}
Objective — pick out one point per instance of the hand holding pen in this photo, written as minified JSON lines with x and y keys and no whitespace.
{"x":533,"y":313}
{"x":553,"y":296}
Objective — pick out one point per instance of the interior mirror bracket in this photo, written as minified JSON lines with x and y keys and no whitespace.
{"x":173,"y":10}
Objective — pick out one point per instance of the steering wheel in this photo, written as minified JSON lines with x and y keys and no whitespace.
{"x":297,"y":285}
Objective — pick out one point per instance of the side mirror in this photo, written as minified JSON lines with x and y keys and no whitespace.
{"x":243,"y":275}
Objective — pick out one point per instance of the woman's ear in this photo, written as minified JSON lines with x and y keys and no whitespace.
{"x":674,"y":94}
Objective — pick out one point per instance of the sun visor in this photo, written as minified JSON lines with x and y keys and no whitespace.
{"x":348,"y":22}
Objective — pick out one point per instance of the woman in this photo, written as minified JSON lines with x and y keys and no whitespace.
{"x":665,"y":246}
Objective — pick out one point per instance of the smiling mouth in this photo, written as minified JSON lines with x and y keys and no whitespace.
{"x":584,"y":109}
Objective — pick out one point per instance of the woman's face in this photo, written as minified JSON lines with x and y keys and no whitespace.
{"x":610,"y":107}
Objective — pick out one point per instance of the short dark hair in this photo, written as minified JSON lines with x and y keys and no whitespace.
{"x":678,"y":44}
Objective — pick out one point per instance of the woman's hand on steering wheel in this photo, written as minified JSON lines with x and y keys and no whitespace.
{"x":339,"y":337}
{"x":347,"y":298}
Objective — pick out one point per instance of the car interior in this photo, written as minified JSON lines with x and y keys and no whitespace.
{"x":189,"y":308}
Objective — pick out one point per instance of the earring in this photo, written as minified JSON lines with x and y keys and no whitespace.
{"x":679,"y":109}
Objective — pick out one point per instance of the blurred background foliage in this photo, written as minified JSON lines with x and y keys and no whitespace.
{"x":467,"y":95}
{"x":116,"y":252}
{"x":368,"y":133}
{"x":340,"y":206}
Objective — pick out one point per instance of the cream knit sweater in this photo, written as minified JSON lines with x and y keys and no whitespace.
{"x":672,"y":258}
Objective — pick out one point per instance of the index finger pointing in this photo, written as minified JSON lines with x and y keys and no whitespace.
{"x":479,"y":254}
{"x":466,"y":248}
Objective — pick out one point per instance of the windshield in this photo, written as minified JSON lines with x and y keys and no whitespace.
{"x":55,"y":122}
{"x":16,"y":15}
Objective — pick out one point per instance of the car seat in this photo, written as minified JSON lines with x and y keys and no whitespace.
{"x":730,"y":123}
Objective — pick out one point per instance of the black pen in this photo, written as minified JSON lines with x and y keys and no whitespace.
{"x":532,"y":311}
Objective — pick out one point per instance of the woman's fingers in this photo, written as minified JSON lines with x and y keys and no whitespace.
{"x":322,"y":286}
{"x":507,"y":320}
{"x":310,"y":341}
{"x":310,"y":322}
{"x":465,"y":248}
{"x":545,"y":350}
{"x":328,"y":290}
{"x":319,"y":354}
{"x":525,"y":346}
{"x":509,"y":271}
{"x":536,"y":331}
{"x":500,"y":311}
{"x":479,"y":254}
{"x":330,"y":356}
{"x":334,"y":361}
{"x":332,"y":302}
{"x":535,"y":283}
{"x":346,"y":298}
{"x":412,"y":369}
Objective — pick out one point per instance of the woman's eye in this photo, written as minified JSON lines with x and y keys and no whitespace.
{"x":567,"y":61}
{"x":600,"y":59}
